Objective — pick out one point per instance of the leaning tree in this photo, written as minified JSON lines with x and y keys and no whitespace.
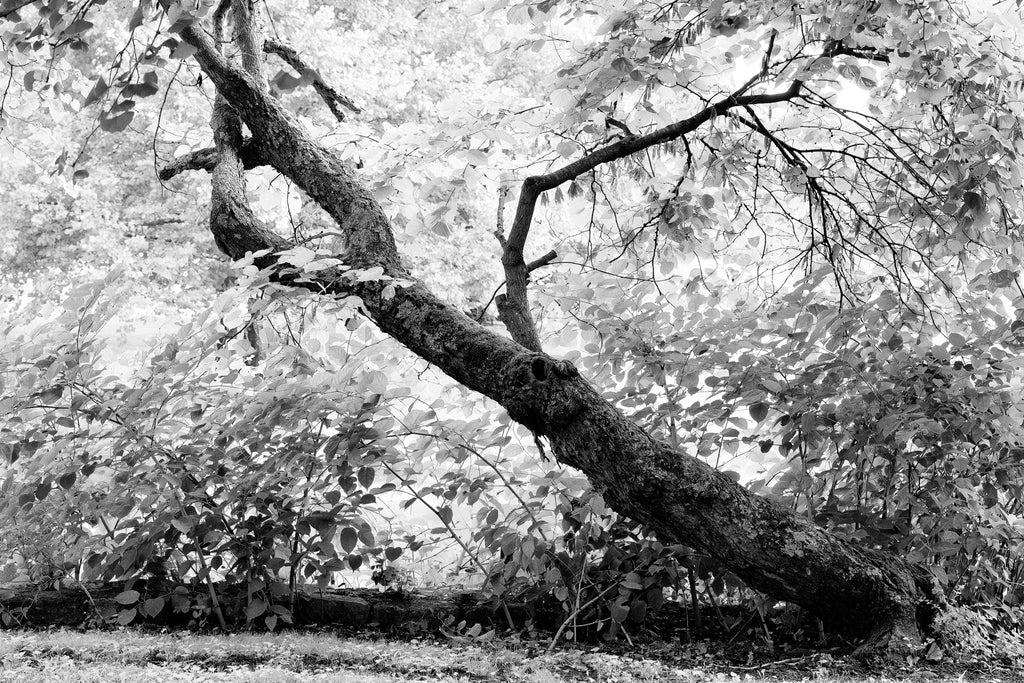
{"x":921,"y":158}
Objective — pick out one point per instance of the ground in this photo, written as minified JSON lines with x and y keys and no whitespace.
{"x":131,"y":655}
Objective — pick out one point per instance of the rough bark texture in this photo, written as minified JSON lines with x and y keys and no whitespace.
{"x":235,"y":228}
{"x":682,"y":499}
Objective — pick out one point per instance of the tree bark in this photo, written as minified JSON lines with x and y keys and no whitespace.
{"x":862,"y":592}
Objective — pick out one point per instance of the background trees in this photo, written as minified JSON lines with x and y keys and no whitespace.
{"x":814,"y":269}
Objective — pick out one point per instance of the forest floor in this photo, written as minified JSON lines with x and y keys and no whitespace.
{"x":141,"y":655}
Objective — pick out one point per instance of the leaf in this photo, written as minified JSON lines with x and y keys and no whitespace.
{"x":297,"y":256}
{"x":182,"y":525}
{"x":365,"y":477}
{"x":117,"y":123}
{"x":369,"y":274}
{"x":182,"y":50}
{"x":632,"y":581}
{"x":79,"y":26}
{"x":9,"y":572}
{"x":68,"y":480}
{"x":180,"y":602}
{"x":355,"y":561}
{"x":153,"y":607}
{"x":619,"y":612}
{"x":349,"y":539}
{"x":284,"y":80}
{"x":148,"y":87}
{"x":271,"y":622}
{"x":43,"y":489}
{"x":129,"y":597}
{"x":563,"y":99}
{"x":137,"y":17}
{"x":99,"y":89}
{"x":759,"y":411}
{"x":255,"y":609}
{"x":445,"y":515}
{"x":566,"y":149}
{"x":393,"y":553}
{"x":126,"y":616}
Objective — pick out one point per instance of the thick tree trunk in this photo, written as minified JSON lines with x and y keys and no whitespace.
{"x":862,"y":592}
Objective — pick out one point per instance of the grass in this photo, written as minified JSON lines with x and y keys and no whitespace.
{"x":129,"y":655}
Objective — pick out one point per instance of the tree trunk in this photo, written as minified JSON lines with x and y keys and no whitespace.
{"x":862,"y":592}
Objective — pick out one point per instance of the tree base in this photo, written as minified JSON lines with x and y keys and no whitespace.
{"x":893,"y":642}
{"x":954,"y":635}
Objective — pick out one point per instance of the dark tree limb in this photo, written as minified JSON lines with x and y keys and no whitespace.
{"x":681,"y":498}
{"x":235,"y":228}
{"x":542,"y":261}
{"x":205,"y":159}
{"x":319,"y":173}
{"x":335,"y":100}
{"x":835,"y":48}
{"x":250,"y":154}
{"x":513,"y":310}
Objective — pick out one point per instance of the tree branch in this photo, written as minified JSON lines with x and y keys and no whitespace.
{"x":542,"y":261}
{"x":236,"y":229}
{"x":835,"y":48}
{"x":317,"y":171}
{"x":513,"y":306}
{"x":331,"y":97}
{"x":205,"y":159}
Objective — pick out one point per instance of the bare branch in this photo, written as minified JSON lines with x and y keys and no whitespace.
{"x":334,"y":99}
{"x":513,"y":306}
{"x":499,"y":230}
{"x":542,"y":261}
{"x":205,"y":159}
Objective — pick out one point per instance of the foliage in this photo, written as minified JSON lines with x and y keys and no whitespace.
{"x":821,"y":297}
{"x":900,"y":431}
{"x":189,"y":465}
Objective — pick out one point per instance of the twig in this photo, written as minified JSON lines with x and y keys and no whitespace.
{"x":576,"y":613}
{"x":779,"y":662}
{"x":81,"y":584}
